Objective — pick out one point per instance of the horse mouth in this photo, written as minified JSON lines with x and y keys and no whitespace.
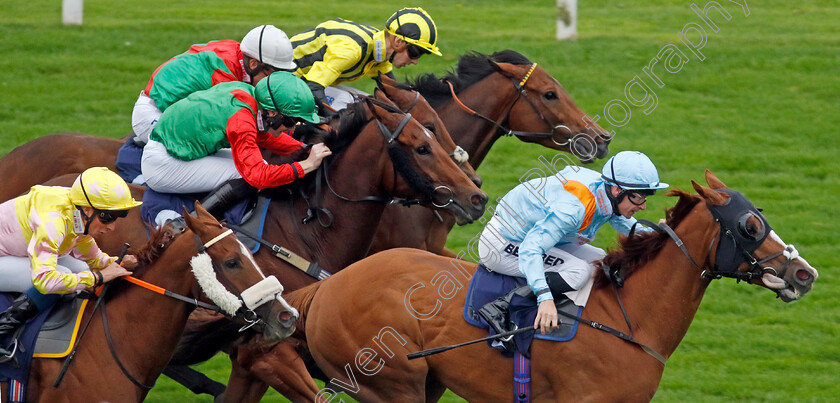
{"x":587,"y":149}
{"x":462,"y":216}
{"x":786,"y":291}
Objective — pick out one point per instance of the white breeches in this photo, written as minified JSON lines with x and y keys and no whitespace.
{"x":341,"y":95}
{"x":16,"y":271}
{"x":144,"y":117}
{"x":167,"y":174}
{"x":573,"y":262}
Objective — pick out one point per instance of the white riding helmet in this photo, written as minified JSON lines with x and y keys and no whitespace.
{"x":632,"y":170}
{"x":270,"y":45}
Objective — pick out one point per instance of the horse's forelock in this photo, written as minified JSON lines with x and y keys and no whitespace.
{"x":633,"y":253}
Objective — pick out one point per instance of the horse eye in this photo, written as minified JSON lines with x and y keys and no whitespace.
{"x":232,"y":264}
{"x":551,"y":95}
{"x":423,"y":150}
{"x":430,"y":128}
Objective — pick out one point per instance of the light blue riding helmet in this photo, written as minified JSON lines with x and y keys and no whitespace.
{"x":632,"y":170}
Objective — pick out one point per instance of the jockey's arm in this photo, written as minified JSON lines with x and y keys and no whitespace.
{"x":544,"y":235}
{"x":242,"y":136}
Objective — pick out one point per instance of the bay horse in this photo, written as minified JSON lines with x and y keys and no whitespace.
{"x":361,"y":322}
{"x":370,"y":165}
{"x":46,"y":157}
{"x":143,"y":328}
{"x":490,"y":97}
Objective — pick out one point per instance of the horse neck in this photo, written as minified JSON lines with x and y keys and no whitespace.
{"x":356,"y":172}
{"x":145,"y":325}
{"x":663,"y":296}
{"x":473,"y":134}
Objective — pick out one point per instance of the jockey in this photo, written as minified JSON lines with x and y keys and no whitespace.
{"x":338,"y":50}
{"x":47,"y":247}
{"x":264,"y":50}
{"x":542,"y":228}
{"x":211,"y":140}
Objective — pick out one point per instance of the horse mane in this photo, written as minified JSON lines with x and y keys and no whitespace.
{"x":352,"y":121}
{"x":147,"y":255}
{"x":472,"y":67}
{"x":633,"y":253}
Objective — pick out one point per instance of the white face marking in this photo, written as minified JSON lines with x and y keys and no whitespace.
{"x":247,"y":253}
{"x":795,"y":254}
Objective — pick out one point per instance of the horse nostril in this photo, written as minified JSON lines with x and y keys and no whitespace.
{"x":803,"y":275}
{"x":479,"y":200}
{"x":478,"y":182}
{"x":285,"y":316}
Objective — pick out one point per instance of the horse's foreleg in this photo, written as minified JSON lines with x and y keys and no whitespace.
{"x":280,"y":367}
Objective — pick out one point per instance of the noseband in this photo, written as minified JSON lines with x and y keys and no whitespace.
{"x":521,"y":92}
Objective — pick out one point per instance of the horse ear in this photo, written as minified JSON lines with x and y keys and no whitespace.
{"x":382,"y":96}
{"x":505,"y":69}
{"x":378,"y":80}
{"x":188,"y":218}
{"x":372,"y":107}
{"x":713,"y":181}
{"x":711,"y":196}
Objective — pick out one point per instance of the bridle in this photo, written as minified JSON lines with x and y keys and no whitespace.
{"x":521,"y":93}
{"x":732,"y":217}
{"x":736,"y":245}
{"x":460,"y":155}
{"x":242,"y":307}
{"x":394,"y":151}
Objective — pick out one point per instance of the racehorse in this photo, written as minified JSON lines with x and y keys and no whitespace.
{"x":490,"y":97}
{"x":360,"y":323}
{"x":370,"y":165}
{"x":41,"y":159}
{"x":134,"y":340}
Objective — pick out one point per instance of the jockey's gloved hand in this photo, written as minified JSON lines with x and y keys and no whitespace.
{"x":320,"y":97}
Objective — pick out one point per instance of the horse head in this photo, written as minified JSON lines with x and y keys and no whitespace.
{"x":749,"y":249}
{"x":229,"y":276}
{"x":544,"y":113}
{"x":410,"y":101}
{"x":422,"y":168}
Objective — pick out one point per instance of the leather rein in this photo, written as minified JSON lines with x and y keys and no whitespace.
{"x":520,"y":93}
{"x":322,"y":176}
{"x":246,"y":314}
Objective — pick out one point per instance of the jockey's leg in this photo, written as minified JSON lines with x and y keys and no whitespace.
{"x":26,"y":306}
{"x":144,"y":117}
{"x":167,"y":174}
{"x":227,"y":195}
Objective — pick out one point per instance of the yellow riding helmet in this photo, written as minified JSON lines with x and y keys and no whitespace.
{"x":415,"y":26}
{"x":103,"y":190}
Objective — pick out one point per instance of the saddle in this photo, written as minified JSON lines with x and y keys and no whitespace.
{"x":486,"y":286}
{"x":50,"y":334}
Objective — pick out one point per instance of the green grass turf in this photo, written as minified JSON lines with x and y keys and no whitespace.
{"x":760,"y":111}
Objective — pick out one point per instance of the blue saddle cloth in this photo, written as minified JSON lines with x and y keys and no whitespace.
{"x":26,"y":343}
{"x":486,"y":286}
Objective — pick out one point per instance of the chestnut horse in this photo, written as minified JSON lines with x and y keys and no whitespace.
{"x":491,"y":96}
{"x":143,"y":328}
{"x":368,"y":160}
{"x":361,"y":323}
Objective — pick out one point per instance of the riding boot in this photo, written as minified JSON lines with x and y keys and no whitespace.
{"x":220,"y":200}
{"x":21,"y":310}
{"x":497,"y":314}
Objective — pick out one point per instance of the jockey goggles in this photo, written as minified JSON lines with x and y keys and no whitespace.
{"x":636,"y":197}
{"x":109,"y":216}
{"x":414,"y":51}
